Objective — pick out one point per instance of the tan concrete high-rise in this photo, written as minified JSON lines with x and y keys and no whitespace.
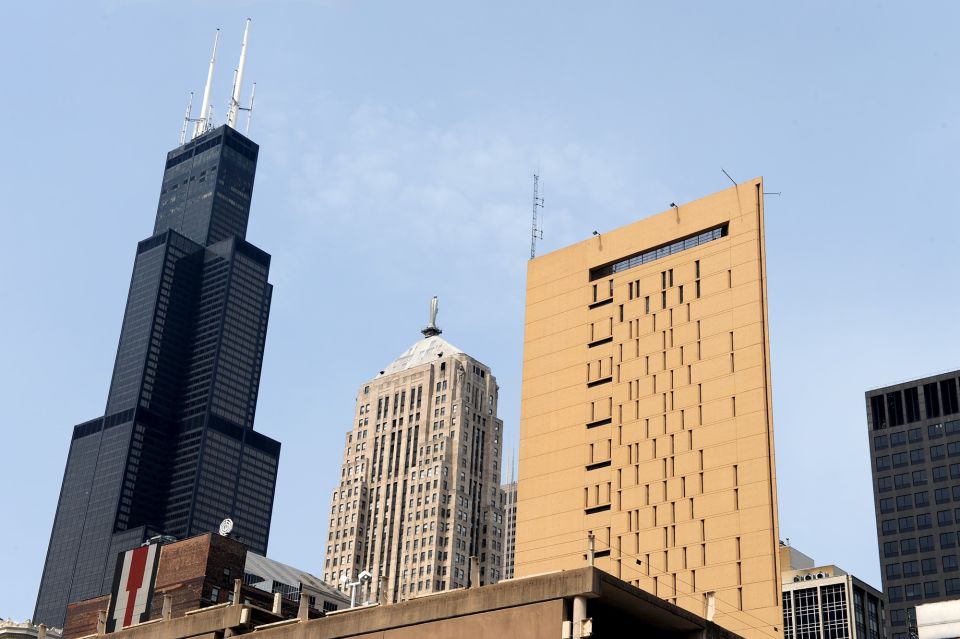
{"x":646,"y":411}
{"x":419,"y":490}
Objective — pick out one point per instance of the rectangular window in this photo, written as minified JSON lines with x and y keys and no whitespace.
{"x":919,"y":477}
{"x":931,"y":589}
{"x":928,"y":566}
{"x":900,"y":460}
{"x":911,"y":568}
{"x":938,"y":452}
{"x":924,"y":520}
{"x":878,"y":412}
{"x":940,"y":473}
{"x":895,"y":593}
{"x":931,"y":400}
{"x":883,"y":462}
{"x":904,"y":502}
{"x":948,"y":396}
{"x":886,"y":504}
{"x":944,"y":518}
{"x":908,"y":547}
{"x":934,"y":431}
{"x":941,"y":495}
{"x":898,"y":617}
{"x":949,"y":563}
{"x":658,"y":252}
{"x":905,"y":524}
{"x":901,"y":481}
{"x":891,"y":549}
{"x":948,"y":540}
{"x":921,"y":499}
{"x":895,"y":408}
{"x":952,"y":586}
{"x":911,"y":400}
{"x":893,"y":571}
{"x":925,"y":543}
{"x":917,"y":456}
{"x":898,"y":439}
{"x":912,"y":592}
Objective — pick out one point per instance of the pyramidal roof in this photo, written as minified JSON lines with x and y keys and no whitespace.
{"x":429,"y":349}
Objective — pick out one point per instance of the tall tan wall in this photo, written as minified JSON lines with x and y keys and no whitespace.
{"x":646,"y":412}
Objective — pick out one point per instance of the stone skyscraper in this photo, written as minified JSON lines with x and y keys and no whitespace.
{"x":175,"y":451}
{"x":510,"y":528}
{"x":419,"y":490}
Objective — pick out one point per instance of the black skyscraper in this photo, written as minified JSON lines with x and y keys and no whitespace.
{"x":914,"y":430}
{"x":175,"y":452}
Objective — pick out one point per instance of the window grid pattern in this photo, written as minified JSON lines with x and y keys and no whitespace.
{"x":915,"y":442}
{"x":175,"y":452}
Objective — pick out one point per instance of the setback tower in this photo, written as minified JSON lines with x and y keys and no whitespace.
{"x":175,"y":451}
{"x":419,"y":491}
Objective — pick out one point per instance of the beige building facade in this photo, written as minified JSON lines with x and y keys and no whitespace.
{"x":646,"y":411}
{"x":420,"y":492}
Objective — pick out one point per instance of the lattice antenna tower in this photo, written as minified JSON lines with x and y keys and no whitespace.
{"x":536,"y":233}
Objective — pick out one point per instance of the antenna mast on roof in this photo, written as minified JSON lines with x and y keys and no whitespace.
{"x":204,"y":121}
{"x":234,"y":108}
{"x":535,"y":233}
{"x":186,"y":120}
{"x":249,"y":109}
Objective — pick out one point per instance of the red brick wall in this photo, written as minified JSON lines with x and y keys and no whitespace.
{"x":82,"y":617}
{"x":188,"y":570}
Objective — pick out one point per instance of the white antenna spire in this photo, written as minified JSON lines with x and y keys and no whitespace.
{"x":186,"y":120}
{"x":234,"y":107}
{"x":203,"y":122}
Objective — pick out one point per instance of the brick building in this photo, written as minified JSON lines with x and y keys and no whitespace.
{"x":202,"y":571}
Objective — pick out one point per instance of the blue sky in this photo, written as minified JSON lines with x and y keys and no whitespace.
{"x":397,"y":146}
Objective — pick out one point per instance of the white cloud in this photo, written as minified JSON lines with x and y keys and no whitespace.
{"x":403,"y":179}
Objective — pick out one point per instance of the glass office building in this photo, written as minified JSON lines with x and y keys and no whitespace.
{"x":175,"y":452}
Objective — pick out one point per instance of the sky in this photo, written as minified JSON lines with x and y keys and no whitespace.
{"x":397,"y":146}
